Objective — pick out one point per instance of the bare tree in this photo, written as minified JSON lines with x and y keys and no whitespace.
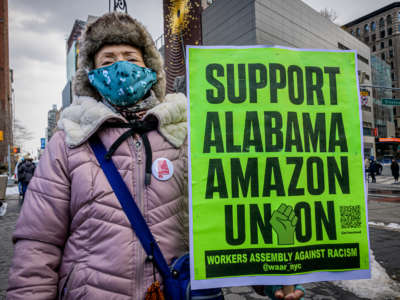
{"x":329,"y":13}
{"x":21,"y":133}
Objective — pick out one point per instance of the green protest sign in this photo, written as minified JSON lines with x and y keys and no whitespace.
{"x":275,"y":166}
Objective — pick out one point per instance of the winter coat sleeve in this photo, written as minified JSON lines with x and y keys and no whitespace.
{"x":42,"y":227}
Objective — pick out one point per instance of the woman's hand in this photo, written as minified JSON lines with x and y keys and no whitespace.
{"x":295,"y":295}
{"x":293,"y":292}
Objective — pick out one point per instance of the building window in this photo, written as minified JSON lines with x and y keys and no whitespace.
{"x":398,"y":16}
{"x":391,"y":65}
{"x":367,"y":131}
{"x":373,"y":25}
{"x":390,"y":31}
{"x":366,"y":108}
{"x":358,"y":31}
{"x":373,"y":48}
{"x":373,"y":37}
{"x":383,"y":56}
{"x":399,"y":27}
{"x":366,"y":39}
{"x":389,"y":19}
{"x":382,"y":34}
{"x":363,"y":59}
{"x":366,"y":28}
{"x":382,"y":45}
{"x":343,"y":47}
{"x":393,"y":77}
{"x":391,"y":53}
{"x":381,"y":23}
{"x":390,"y":43}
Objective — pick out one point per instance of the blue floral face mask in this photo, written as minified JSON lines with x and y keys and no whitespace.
{"x":122,"y":83}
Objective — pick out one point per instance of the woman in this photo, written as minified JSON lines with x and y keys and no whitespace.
{"x":73,"y":240}
{"x":26,"y":169}
{"x":395,"y":170}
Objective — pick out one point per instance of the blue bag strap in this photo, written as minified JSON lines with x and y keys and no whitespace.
{"x":129,"y":206}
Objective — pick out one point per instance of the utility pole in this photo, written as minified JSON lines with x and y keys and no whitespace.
{"x":9,"y":160}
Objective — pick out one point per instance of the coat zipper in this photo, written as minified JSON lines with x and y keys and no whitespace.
{"x":66,"y":285}
{"x":139,"y":202}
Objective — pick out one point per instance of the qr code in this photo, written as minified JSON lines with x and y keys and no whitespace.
{"x":350,"y":216}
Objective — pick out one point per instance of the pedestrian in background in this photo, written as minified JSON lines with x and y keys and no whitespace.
{"x":26,"y":169}
{"x":72,"y":239}
{"x":3,"y":205}
{"x":395,"y":170}
{"x":373,"y":168}
{"x":366,"y":167}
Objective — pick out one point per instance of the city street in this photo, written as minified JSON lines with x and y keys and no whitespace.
{"x":384,"y":220}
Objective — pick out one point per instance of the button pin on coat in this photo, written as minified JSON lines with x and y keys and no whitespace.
{"x":162,"y":169}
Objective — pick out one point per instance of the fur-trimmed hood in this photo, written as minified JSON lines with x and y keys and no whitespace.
{"x":116,"y":28}
{"x":85,"y":115}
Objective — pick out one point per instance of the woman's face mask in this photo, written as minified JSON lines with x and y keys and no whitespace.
{"x":123,"y":83}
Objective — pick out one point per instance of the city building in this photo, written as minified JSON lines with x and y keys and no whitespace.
{"x":51,"y":122}
{"x":383,"y":113}
{"x":72,"y":49}
{"x":380,"y":30}
{"x":6,"y":98}
{"x":287,"y":23}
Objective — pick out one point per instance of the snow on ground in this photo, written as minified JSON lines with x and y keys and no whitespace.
{"x":390,"y":225}
{"x":380,"y":286}
{"x":12,"y":191}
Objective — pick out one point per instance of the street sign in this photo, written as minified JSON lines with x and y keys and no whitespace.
{"x":42,"y":143}
{"x":389,"y":140}
{"x":387,"y":101}
{"x":364,"y":93}
{"x":1,"y":135}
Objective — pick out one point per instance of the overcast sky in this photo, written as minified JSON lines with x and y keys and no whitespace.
{"x":38,"y":33}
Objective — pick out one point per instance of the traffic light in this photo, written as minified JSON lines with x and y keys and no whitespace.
{"x":16,"y":150}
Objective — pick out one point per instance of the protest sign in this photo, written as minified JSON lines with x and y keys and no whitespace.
{"x":276,"y":185}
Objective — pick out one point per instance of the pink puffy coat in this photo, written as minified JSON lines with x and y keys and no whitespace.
{"x":72,"y":233}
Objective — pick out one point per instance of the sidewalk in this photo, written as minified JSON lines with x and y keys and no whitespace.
{"x":7,"y":225}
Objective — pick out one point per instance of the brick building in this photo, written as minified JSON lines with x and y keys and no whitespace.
{"x":6,"y":136}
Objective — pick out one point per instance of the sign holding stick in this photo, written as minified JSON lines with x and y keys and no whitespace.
{"x":276,"y":185}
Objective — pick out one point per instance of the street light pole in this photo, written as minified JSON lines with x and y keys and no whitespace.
{"x":9,"y":160}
